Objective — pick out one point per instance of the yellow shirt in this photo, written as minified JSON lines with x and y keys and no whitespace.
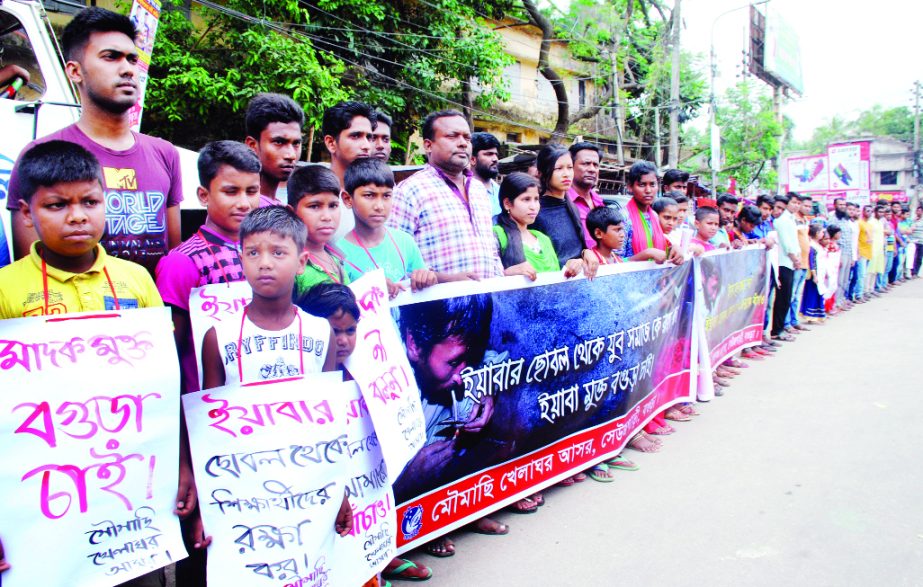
{"x":865,"y":240}
{"x":22,"y":292}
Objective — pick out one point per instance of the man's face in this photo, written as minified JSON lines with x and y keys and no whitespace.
{"x":439,"y":369}
{"x":354,"y":142}
{"x":807,"y":207}
{"x":487,"y":163}
{"x":895,"y":208}
{"x":107,"y":72}
{"x":794,"y":205}
{"x":919,"y":213}
{"x":278,"y":147}
{"x":840,"y":206}
{"x":879,"y":212}
{"x":765,"y":210}
{"x":867,"y":212}
{"x":676,"y":186}
{"x":586,"y":169}
{"x":726,"y":212}
{"x":778,"y":208}
{"x":381,"y":142}
{"x":450,"y":147}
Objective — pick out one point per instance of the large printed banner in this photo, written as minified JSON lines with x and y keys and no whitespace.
{"x":272,"y":464}
{"x":380,"y":367}
{"x":90,"y":447}
{"x":524,"y":385}
{"x":735,"y":287}
{"x":808,"y":174}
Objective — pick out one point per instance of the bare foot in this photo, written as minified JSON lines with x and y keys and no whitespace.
{"x":441,"y":547}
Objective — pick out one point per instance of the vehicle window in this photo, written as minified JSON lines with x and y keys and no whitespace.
{"x":16,"y":50}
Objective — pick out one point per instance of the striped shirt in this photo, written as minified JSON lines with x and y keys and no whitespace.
{"x":455,"y":235}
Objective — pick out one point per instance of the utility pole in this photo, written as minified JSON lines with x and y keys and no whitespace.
{"x":673,"y":156}
{"x":658,"y":150}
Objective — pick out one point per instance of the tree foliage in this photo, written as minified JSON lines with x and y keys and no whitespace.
{"x":876,"y":121}
{"x":750,"y":137}
{"x":404,"y":57}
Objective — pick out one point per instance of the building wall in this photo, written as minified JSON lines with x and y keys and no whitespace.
{"x":891,"y":166}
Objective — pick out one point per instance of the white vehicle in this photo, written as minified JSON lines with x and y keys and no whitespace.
{"x":47,"y":103}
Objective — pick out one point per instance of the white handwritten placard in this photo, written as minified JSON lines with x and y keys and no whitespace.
{"x":212,"y":304}
{"x":272,"y":466}
{"x":90,"y":438}
{"x":379,"y":365}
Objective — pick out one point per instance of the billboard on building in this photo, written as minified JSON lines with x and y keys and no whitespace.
{"x":782,"y":53}
{"x":808,"y":174}
{"x":849,"y":166}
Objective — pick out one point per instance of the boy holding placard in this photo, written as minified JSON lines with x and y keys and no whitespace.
{"x":274,"y":339}
{"x":229,"y":188}
{"x":67,"y":270}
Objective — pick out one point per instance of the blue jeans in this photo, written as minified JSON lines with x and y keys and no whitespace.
{"x":882,"y":281}
{"x":858,"y":287}
{"x":791,"y":319}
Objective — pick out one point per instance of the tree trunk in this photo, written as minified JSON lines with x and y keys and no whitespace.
{"x":544,"y":66}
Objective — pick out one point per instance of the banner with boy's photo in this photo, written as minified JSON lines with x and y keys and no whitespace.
{"x":525,"y":384}
{"x":735,"y":288}
{"x":90,"y":447}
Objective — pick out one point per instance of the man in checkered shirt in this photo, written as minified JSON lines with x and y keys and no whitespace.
{"x":444,"y":208}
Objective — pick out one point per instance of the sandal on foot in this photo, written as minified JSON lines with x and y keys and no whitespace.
{"x":688,"y":410}
{"x":524,"y":506}
{"x":489,"y":527}
{"x":538,"y":498}
{"x":440,"y":547}
{"x":580,"y":477}
{"x":664,"y":430}
{"x":677,"y":415}
{"x":622,"y":464}
{"x":403,"y":572}
{"x":601,"y":473}
{"x":566,"y":482}
{"x":643,"y":443}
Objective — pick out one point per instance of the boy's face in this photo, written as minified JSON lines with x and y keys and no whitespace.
{"x":765,"y":210}
{"x":354,"y":142}
{"x":371,"y":204}
{"x":278,"y":147}
{"x":676,"y":186}
{"x":682,"y":212}
{"x":69,"y":217}
{"x":613,"y":238}
{"x":668,"y":218}
{"x":321,"y":214}
{"x":746,"y":227}
{"x":778,"y":208}
{"x":271,"y":262}
{"x":230,"y":196}
{"x":726,"y":214}
{"x":794,"y":205}
{"x":708,"y":227}
{"x":381,"y":141}
{"x":344,"y":333}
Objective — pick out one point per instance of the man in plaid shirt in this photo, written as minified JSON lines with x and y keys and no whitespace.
{"x":444,"y":208}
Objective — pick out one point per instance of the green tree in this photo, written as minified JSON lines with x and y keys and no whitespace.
{"x":404,"y":57}
{"x":876,"y":121}
{"x":750,"y":137}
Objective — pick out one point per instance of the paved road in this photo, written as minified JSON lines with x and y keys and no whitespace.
{"x":808,"y":472}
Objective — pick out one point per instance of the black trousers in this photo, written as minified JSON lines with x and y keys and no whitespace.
{"x":783,"y":300}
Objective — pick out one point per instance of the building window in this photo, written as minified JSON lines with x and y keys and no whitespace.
{"x":513,"y":137}
{"x":582,"y":94}
{"x":888,"y":178}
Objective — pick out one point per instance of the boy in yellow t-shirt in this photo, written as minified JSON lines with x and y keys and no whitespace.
{"x":66,"y":269}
